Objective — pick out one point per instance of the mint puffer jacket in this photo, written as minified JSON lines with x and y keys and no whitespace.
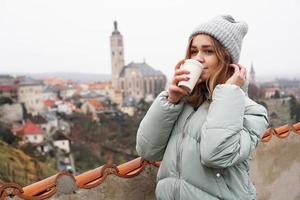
{"x":205,"y":153}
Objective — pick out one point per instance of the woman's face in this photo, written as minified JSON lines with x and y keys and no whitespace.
{"x":202,"y":50}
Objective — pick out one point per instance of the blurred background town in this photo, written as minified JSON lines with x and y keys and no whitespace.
{"x":64,"y":120}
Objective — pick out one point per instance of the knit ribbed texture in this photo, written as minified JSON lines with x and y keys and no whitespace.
{"x":227,"y":31}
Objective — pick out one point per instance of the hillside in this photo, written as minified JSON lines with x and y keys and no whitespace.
{"x":18,"y":167}
{"x":113,"y":139}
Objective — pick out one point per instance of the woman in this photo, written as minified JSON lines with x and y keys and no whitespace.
{"x":205,"y":139}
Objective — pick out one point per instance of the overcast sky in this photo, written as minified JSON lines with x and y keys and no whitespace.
{"x":73,"y":35}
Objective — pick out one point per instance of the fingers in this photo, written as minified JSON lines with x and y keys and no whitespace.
{"x":181,"y":71}
{"x":179,"y":64}
{"x":236,"y":68}
{"x":178,"y":90}
{"x":180,"y":74}
{"x":239,"y":76}
{"x":177,"y":79}
{"x":243,"y":72}
{"x":239,"y":70}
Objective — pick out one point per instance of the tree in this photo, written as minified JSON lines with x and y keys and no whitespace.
{"x":253,"y":91}
{"x":277,"y":95}
{"x":297,"y":113}
{"x":6,"y":135}
{"x":5,"y":100}
{"x":292,"y":106}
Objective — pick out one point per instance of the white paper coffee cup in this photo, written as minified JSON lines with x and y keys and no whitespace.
{"x":195,"y":69}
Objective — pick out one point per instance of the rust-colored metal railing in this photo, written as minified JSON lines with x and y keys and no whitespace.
{"x":281,"y":132}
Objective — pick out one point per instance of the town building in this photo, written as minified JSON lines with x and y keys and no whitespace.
{"x":270,"y":92}
{"x":67,"y":91}
{"x":57,"y":81}
{"x":8,"y":87}
{"x":29,"y":133}
{"x":50,"y":92}
{"x":30,"y":92}
{"x":10,"y":113}
{"x":104,"y":88}
{"x":62,"y":142}
{"x":93,"y":106}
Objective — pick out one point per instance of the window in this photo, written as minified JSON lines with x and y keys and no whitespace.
{"x":119,"y":42}
{"x":150,"y":86}
{"x":145,"y":86}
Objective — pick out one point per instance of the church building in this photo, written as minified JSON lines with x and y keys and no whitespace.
{"x":134,"y":80}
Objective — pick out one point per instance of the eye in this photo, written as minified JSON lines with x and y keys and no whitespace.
{"x":194,"y":52}
{"x":209,"y":52}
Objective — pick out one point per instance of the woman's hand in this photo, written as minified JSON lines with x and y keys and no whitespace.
{"x":239,"y":76}
{"x":177,"y":93}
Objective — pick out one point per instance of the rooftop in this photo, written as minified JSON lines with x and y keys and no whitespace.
{"x":29,"y":128}
{"x":96,"y":104}
{"x":49,"y":103}
{"x":143,"y":67}
{"x":8,"y":88}
{"x":7,"y":80}
{"x":27,"y":81}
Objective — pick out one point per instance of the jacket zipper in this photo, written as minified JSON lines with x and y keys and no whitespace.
{"x":179,"y":152}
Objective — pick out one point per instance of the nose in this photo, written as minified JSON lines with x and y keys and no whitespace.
{"x":199,"y":57}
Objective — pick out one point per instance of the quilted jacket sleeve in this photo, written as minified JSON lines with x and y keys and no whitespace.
{"x":231,"y":131}
{"x":155,"y":128}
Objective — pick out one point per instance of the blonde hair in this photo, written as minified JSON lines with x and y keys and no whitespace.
{"x":203,"y":91}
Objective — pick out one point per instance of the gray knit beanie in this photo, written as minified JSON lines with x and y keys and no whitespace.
{"x":227,"y":31}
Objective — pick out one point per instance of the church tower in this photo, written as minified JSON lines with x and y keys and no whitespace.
{"x":117,"y":55}
{"x":252,"y":75}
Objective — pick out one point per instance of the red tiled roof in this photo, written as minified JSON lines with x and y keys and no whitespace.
{"x":8,"y":88}
{"x":105,"y":85}
{"x":49,"y":103}
{"x":28,"y":129}
{"x":96,"y":104}
{"x":90,"y":179}
{"x":31,"y":128}
{"x":55,"y":81}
